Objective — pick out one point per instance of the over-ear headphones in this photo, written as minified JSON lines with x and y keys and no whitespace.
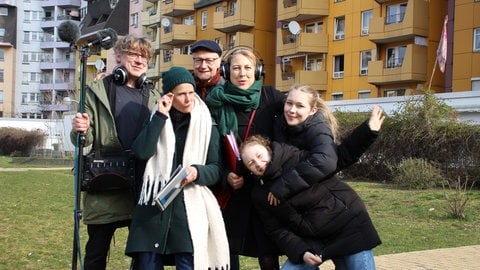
{"x":225,"y":65}
{"x":120,"y":76}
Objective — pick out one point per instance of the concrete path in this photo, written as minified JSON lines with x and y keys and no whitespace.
{"x":33,"y":169}
{"x":465,"y":258}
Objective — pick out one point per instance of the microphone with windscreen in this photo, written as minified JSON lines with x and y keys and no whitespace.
{"x":69,"y":32}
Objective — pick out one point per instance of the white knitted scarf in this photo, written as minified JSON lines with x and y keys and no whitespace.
{"x":205,"y":221}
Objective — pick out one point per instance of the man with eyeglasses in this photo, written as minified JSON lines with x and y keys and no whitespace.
{"x":116,"y":106}
{"x":206,"y":65}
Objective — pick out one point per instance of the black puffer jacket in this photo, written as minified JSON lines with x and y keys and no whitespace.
{"x":329,"y":218}
{"x":319,"y":162}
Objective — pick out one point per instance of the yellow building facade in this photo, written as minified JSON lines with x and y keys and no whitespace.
{"x":344,"y":48}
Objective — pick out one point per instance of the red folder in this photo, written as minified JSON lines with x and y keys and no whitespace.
{"x":232,"y":157}
{"x":232,"y":153}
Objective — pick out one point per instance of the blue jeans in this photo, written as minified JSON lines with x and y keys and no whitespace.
{"x":362,"y":260}
{"x":154,"y":261}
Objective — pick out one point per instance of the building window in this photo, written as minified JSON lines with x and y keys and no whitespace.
{"x":2,"y":32}
{"x":315,"y":27}
{"x":1,"y":75}
{"x":188,"y":20}
{"x":3,"y":11}
{"x":1,"y":96}
{"x":395,"y":56}
{"x":314,"y":64}
{"x":339,"y":28}
{"x":394,"y":92}
{"x":134,"y":17}
{"x":232,"y":7}
{"x":2,"y":54}
{"x":231,"y":40}
{"x":366,"y":16}
{"x":338,"y":67}
{"x":365,"y":57}
{"x":476,"y":40}
{"x":364,"y":94}
{"x":337,"y":96}
{"x":476,"y":84}
{"x":395,"y":13}
{"x":204,"y":19}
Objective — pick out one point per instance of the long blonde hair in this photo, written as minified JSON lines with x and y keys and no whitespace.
{"x":317,"y":102}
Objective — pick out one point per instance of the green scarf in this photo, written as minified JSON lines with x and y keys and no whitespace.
{"x":223,"y":100}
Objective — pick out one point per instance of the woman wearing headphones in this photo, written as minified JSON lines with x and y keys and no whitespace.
{"x":246,"y":107}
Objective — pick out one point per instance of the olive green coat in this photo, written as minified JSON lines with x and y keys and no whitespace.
{"x":107,"y":206}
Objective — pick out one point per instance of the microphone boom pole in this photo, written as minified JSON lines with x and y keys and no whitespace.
{"x":78,"y":172}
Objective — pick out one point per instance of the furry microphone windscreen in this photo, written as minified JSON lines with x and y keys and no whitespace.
{"x":68,"y":32}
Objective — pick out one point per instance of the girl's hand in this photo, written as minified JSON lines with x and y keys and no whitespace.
{"x":272,"y":200}
{"x":376,"y":118}
{"x":312,"y":259}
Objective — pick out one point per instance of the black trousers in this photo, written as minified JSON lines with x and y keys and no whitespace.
{"x":98,"y":244}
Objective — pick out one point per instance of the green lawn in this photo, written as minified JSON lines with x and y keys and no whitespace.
{"x":36,"y":213}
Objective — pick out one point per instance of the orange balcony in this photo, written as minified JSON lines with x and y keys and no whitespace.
{"x":399,"y":27}
{"x":241,"y":39}
{"x":175,"y":8}
{"x":288,"y":44}
{"x":153,"y":71}
{"x":169,"y":58}
{"x":150,"y":17}
{"x":412,"y":69}
{"x":177,"y":34}
{"x":284,"y":80}
{"x":301,"y":10}
{"x":237,"y":19}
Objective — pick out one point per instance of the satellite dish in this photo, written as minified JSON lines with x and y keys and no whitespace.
{"x":99,"y":64}
{"x":294,"y":27}
{"x":165,"y":22}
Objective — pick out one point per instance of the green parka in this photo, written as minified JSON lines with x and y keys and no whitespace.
{"x":106,"y":206}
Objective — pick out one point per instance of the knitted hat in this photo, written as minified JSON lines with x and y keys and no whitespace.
{"x":175,"y":76}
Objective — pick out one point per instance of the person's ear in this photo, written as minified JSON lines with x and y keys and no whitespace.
{"x":118,"y":58}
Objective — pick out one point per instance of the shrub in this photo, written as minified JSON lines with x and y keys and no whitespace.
{"x":421,"y":128}
{"x":457,"y":197}
{"x":416,"y":173}
{"x":19,"y":142}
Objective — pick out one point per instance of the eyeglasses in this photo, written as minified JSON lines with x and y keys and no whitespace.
{"x":133,"y":55}
{"x":208,"y":61}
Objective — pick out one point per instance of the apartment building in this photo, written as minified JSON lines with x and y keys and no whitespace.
{"x":174,"y":25}
{"x":346,"y":49}
{"x":8,"y":44}
{"x":36,"y":68}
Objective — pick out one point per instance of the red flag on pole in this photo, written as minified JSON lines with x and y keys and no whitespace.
{"x":442,"y":47}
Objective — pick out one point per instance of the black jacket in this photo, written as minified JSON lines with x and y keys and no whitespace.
{"x":329,"y":218}
{"x":244,"y":230}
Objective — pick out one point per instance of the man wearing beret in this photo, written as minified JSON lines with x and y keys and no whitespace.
{"x":206,"y":65}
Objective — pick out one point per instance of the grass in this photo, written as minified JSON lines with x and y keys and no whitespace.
{"x":36,"y":213}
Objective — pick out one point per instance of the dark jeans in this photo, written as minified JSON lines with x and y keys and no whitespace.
{"x":98,"y":244}
{"x":153,"y":261}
